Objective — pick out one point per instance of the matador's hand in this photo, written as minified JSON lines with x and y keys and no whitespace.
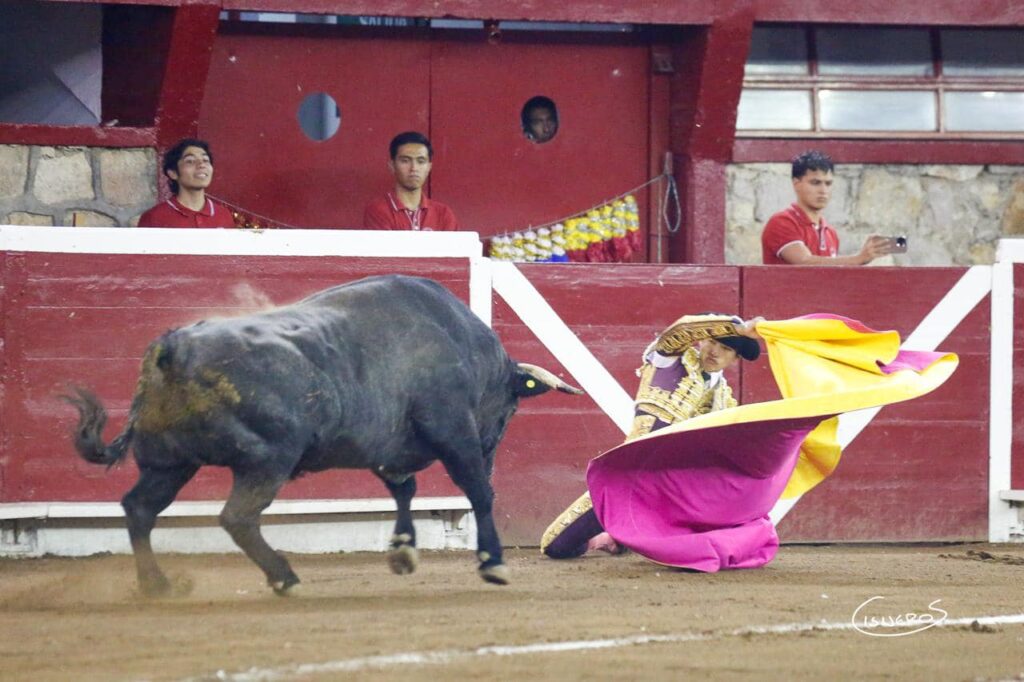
{"x":749,"y":328}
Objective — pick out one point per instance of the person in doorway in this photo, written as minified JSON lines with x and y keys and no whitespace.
{"x":188,"y":167}
{"x":540,"y":119}
{"x":406,"y":207}
{"x":799,"y":234}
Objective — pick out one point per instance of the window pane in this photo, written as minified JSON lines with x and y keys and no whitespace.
{"x":874,"y":51}
{"x":778,"y":50}
{"x":1003,"y":111}
{"x":774,"y":110}
{"x":982,"y":53}
{"x":51,"y":63}
{"x":877,"y":110}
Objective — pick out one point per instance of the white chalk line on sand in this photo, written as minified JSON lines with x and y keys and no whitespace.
{"x":444,"y":657}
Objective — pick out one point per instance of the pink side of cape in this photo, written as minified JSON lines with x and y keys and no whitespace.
{"x":700,"y":499}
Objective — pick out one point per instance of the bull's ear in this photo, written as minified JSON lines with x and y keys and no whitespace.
{"x":526,"y":385}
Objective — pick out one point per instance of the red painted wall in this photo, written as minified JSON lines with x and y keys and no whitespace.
{"x":496,"y":178}
{"x":258,"y":78}
{"x":918,"y":472}
{"x":464,"y":92}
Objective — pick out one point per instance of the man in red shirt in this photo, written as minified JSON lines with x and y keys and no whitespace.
{"x":188,"y":166}
{"x":406,"y":208}
{"x":799,"y":235}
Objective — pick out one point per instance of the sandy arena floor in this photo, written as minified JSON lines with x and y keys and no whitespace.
{"x":598,"y":618}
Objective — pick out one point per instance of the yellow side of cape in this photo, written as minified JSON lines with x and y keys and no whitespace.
{"x":823,"y":367}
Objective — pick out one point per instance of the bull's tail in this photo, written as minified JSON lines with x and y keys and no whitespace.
{"x":533,"y":380}
{"x":88,"y":435}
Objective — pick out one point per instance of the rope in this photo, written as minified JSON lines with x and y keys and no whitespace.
{"x":672,"y":187}
{"x":271,"y":223}
{"x":671,"y":195}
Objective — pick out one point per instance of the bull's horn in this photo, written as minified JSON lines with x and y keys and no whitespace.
{"x":549,"y":379}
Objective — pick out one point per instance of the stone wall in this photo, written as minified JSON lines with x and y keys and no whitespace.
{"x":75,"y":185}
{"x":951,"y":214}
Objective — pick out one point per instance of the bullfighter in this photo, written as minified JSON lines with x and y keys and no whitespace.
{"x":698,"y":493}
{"x":681,"y":376}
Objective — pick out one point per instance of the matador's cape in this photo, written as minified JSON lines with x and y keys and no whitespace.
{"x":697,"y":494}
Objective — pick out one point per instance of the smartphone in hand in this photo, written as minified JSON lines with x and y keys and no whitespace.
{"x":897,"y":244}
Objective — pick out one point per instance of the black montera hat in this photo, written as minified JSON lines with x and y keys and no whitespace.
{"x":746,"y":347}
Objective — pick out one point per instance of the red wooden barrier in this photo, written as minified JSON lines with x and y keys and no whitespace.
{"x":918,"y":472}
{"x":87,"y":319}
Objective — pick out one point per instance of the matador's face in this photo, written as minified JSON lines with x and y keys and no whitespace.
{"x":715,"y":356}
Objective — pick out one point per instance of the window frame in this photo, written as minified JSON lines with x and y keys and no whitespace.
{"x":169,"y":32}
{"x":939,"y":84}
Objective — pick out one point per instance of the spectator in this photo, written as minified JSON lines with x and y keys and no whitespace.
{"x":799,"y":235}
{"x":406,"y":208}
{"x":188,"y":166}
{"x":540,"y":119}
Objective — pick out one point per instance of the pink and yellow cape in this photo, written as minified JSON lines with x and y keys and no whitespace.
{"x":697,"y":494}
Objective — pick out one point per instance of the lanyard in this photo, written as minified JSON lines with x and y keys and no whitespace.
{"x":414,"y":216}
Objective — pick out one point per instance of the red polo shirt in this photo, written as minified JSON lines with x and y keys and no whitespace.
{"x":170,"y":213}
{"x":387,"y":213}
{"x":793,"y":225}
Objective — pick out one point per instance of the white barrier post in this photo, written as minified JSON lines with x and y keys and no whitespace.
{"x":1003,"y":521}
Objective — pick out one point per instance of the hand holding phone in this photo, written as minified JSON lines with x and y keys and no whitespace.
{"x":897,"y":244}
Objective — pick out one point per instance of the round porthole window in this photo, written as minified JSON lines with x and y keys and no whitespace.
{"x":319,"y":116}
{"x":540,"y":119}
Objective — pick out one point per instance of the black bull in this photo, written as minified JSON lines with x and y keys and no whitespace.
{"x":386,"y":374}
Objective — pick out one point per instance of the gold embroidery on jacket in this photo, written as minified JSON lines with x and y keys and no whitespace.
{"x":642,"y":425}
{"x":690,"y":329}
{"x":689,"y":398}
{"x":581,"y":506}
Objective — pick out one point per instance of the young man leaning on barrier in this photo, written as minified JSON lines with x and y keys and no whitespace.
{"x":188,"y":167}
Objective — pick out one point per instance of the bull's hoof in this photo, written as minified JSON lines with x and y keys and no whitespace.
{"x":497,"y":574}
{"x":289,"y":587}
{"x":181,"y":586}
{"x":155,"y":586}
{"x":403,"y":560}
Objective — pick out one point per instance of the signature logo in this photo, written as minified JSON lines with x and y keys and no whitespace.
{"x":900,"y":625}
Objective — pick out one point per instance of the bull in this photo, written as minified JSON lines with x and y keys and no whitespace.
{"x":388,"y":374}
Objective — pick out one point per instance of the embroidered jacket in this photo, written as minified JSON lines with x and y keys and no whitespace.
{"x":677,"y":392}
